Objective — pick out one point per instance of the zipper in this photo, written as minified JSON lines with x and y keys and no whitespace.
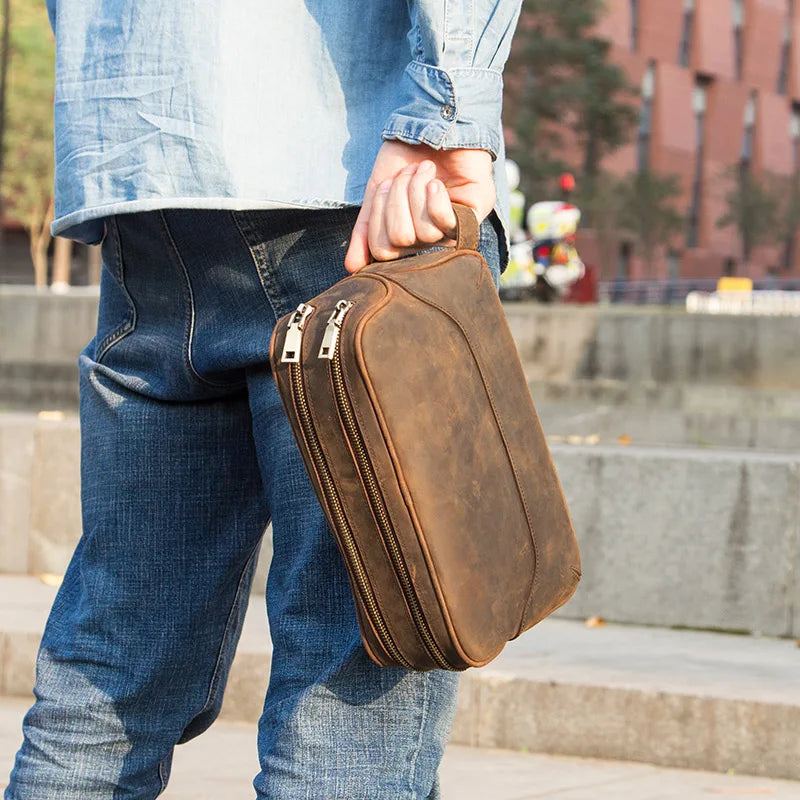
{"x":291,"y":355}
{"x":370,"y":480}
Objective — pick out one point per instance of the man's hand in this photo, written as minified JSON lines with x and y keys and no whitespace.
{"x":409,"y":196}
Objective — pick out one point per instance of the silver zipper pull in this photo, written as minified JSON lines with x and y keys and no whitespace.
{"x":328,"y":347}
{"x":294,"y":334}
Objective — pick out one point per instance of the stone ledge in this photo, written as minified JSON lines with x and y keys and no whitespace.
{"x":674,"y":698}
{"x":41,"y":335}
{"x":670,"y":536}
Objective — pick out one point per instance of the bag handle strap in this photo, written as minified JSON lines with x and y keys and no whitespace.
{"x":467,"y":228}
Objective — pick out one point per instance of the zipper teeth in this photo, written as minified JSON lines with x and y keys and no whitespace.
{"x":297,"y":388}
{"x":381,"y":514}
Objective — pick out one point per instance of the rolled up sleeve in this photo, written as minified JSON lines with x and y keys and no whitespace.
{"x":451,"y":94}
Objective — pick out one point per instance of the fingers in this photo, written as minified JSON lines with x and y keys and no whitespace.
{"x":410,"y":210}
{"x":424,"y":227}
{"x":440,"y":209}
{"x":397,"y":222}
{"x":379,"y":244}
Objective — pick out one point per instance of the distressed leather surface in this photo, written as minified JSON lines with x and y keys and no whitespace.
{"x":464,"y":471}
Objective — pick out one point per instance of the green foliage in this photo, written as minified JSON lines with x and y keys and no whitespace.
{"x":789,"y":222}
{"x":753,"y":207}
{"x":28,"y":172}
{"x":560,"y":74}
{"x":599,"y":200}
{"x":640,"y":205}
{"x":647,"y":210}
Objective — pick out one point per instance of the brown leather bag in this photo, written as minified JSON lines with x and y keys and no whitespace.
{"x":406,"y":396}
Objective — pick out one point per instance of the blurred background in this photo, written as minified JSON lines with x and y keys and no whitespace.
{"x":653,"y":292}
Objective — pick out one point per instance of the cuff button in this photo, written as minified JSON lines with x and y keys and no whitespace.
{"x":448,"y":112}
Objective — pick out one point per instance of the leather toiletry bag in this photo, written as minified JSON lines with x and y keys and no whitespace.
{"x":406,"y":395}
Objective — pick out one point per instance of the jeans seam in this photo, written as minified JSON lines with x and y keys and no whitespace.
{"x":188,"y":338}
{"x":122,"y":330}
{"x":226,"y":632}
{"x":258,"y":254}
{"x":162,"y":775}
{"x":412,"y":778}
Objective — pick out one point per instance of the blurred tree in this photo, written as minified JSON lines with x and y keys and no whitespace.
{"x":560,"y":75}
{"x":753,"y":208}
{"x":600,"y":203}
{"x":647,"y":210}
{"x":5,"y":38}
{"x":27,"y":178}
{"x":790,"y":218}
{"x":62,"y":264}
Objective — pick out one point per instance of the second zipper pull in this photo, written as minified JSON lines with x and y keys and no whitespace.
{"x":328,"y":347}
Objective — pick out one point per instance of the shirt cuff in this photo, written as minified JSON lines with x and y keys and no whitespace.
{"x":448,"y":109}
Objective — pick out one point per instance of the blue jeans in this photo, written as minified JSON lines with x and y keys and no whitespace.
{"x":186,"y":456}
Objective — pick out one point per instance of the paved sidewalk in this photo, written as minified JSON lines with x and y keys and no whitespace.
{"x":220,"y":764}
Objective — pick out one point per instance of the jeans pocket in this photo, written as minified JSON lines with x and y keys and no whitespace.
{"x":492,"y":246}
{"x":116,"y":316}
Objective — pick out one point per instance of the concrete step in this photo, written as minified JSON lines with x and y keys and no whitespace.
{"x":680,"y":537}
{"x":652,"y":345}
{"x":222,"y":762}
{"x":638,"y":512}
{"x":674,"y":698}
{"x":677,"y":415}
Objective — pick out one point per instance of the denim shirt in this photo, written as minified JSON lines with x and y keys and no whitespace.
{"x":249,"y":104}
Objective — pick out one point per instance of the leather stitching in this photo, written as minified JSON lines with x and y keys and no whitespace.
{"x":313,"y":468}
{"x":377,"y":593}
{"x":404,"y":490}
{"x":360,"y":421}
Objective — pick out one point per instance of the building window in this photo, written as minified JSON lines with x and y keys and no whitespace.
{"x":786,"y":49}
{"x":634,"y":25}
{"x":673,"y":265}
{"x":790,"y":245}
{"x":738,"y":37}
{"x":624,"y":257}
{"x":646,"y":118}
{"x":746,"y":157}
{"x":685,"y":53}
{"x":699,"y":106}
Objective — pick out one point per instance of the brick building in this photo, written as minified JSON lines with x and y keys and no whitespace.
{"x":720,"y":89}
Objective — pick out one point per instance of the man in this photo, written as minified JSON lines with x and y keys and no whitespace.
{"x":221,"y":151}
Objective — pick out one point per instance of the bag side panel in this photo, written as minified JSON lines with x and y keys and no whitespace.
{"x":311,"y":339}
{"x":470,"y":523}
{"x":391,"y":481}
{"x":365,"y":295}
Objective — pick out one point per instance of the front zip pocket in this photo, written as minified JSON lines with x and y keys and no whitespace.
{"x":370,"y":481}
{"x":297,"y":389}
